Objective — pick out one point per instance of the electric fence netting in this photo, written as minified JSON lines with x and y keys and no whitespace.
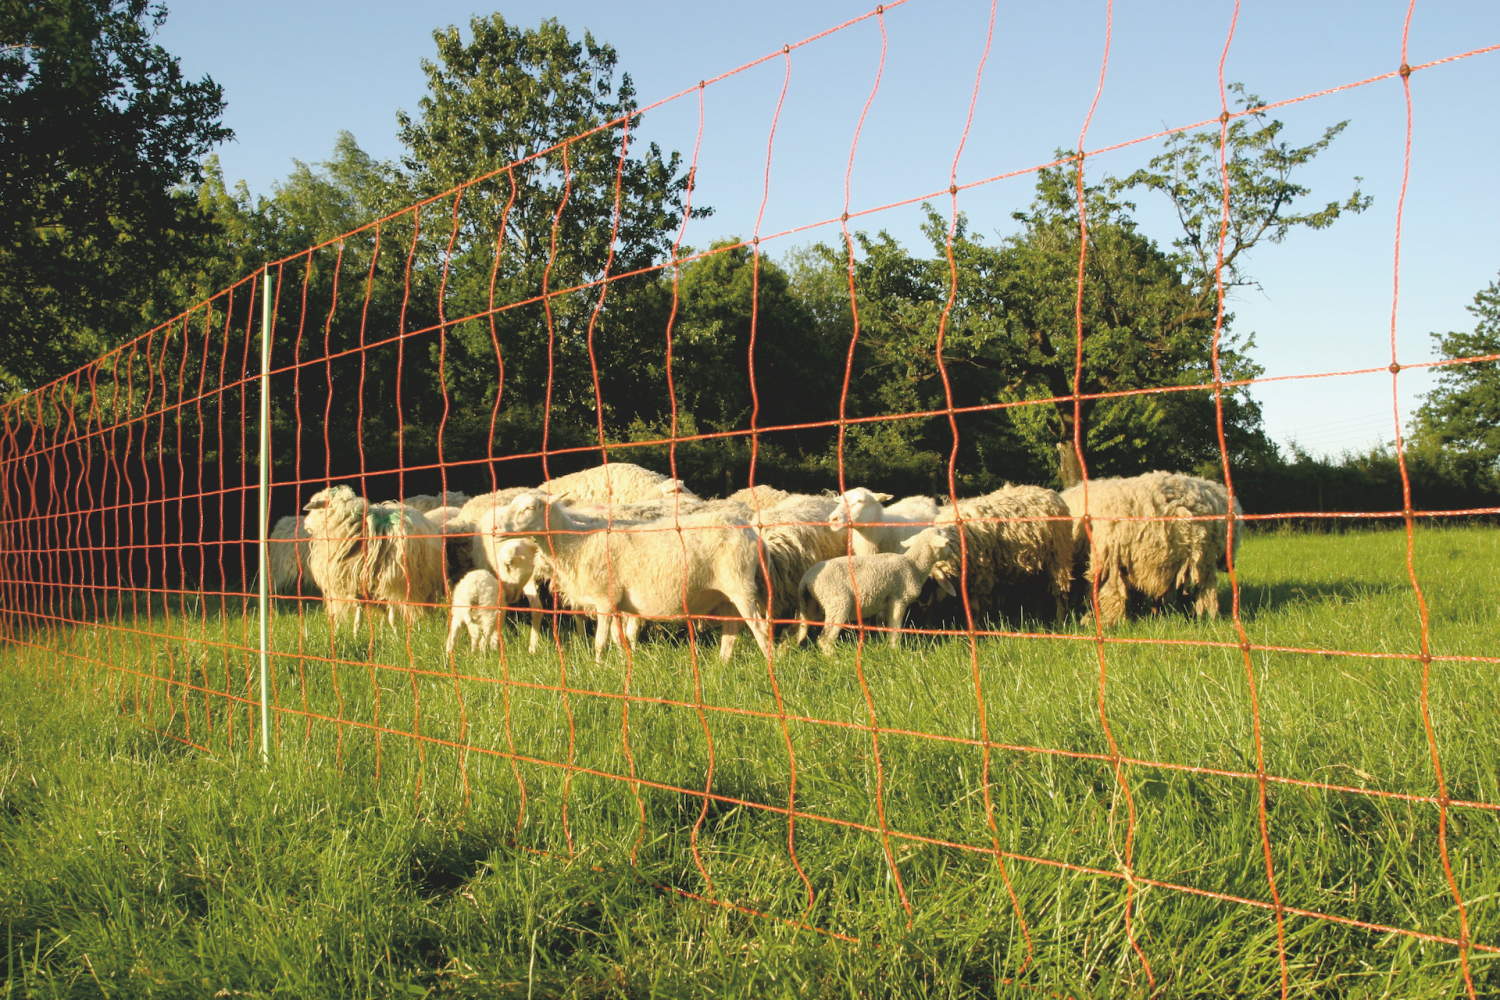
{"x":133,"y":562}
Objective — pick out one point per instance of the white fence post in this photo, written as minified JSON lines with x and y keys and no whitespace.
{"x":264,"y":505}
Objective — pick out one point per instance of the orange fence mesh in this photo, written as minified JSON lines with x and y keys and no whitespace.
{"x":129,"y":527}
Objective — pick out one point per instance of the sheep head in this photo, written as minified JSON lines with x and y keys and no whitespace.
{"x":529,"y":512}
{"x":858,"y":506}
{"x":517,"y":557}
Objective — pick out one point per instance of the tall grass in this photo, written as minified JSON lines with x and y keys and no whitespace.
{"x":366,"y":863}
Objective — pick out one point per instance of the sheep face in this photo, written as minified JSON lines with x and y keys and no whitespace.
{"x":858,"y":506}
{"x":517,"y":558}
{"x":527,"y":512}
{"x":938,"y":538}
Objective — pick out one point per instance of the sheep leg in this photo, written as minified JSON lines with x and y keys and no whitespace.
{"x":747,"y":609}
{"x":534,"y":599}
{"x":834,"y":618}
{"x":1207,"y":603}
{"x":804,"y":619}
{"x":1112,"y":597}
{"x":453,"y":628}
{"x":601,"y":641}
{"x":895,"y":615}
{"x":732,"y":630}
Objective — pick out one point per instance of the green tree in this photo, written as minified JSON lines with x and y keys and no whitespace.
{"x":502,"y":96}
{"x":99,"y":133}
{"x":1462,"y":414}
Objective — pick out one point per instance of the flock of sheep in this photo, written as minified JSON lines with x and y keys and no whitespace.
{"x":624,"y":544}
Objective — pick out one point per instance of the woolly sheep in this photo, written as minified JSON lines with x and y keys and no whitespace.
{"x":384,"y":553}
{"x":617,"y":482}
{"x":1009,"y":541}
{"x":476,"y":606}
{"x":876,"y":527}
{"x":1154,"y":558}
{"x":758,"y":497}
{"x":709,"y":558}
{"x":291,"y":559}
{"x":886,"y":583}
{"x":425,"y":503}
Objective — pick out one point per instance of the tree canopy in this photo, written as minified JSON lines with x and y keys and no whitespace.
{"x":1462,"y":414}
{"x":99,"y":133}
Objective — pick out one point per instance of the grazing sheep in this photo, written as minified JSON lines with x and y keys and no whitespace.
{"x":425,"y":503}
{"x":876,"y":527}
{"x":386,"y":553}
{"x":291,"y":559}
{"x":708,"y":559}
{"x":617,"y":482}
{"x":1009,"y":542}
{"x":1155,"y":558}
{"x":796,"y":536}
{"x":886,"y":584}
{"x":476,"y":606}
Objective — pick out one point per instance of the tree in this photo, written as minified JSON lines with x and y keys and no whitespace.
{"x":99,"y":134}
{"x":502,"y":96}
{"x":1462,"y":414}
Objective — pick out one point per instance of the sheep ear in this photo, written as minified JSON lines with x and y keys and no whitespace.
{"x":947,"y":587}
{"x":940,"y":542}
{"x":883,"y":497}
{"x":906,"y":542}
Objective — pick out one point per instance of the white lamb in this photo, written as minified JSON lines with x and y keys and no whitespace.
{"x":708,"y":560}
{"x":887,"y":583}
{"x":876,"y":527}
{"x":476,"y":606}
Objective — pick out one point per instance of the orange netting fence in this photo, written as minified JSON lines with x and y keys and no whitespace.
{"x":132,"y":534}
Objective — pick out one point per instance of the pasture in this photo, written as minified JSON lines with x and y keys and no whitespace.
{"x":363,"y":862}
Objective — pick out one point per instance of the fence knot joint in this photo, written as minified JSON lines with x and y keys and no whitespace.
{"x":1405,"y":71}
{"x":1394,"y":368}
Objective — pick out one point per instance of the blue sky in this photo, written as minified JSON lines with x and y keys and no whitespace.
{"x":296,"y":73}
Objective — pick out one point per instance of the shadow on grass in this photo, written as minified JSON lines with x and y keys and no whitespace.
{"x":1268,"y":598}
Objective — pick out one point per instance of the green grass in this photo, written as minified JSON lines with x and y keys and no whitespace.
{"x":134,"y":865}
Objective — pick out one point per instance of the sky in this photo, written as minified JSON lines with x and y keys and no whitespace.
{"x":296,"y":73}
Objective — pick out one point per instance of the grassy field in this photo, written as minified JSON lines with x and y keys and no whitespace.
{"x":361,"y":863}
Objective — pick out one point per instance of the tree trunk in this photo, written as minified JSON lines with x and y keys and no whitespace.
{"x":1068,"y":468}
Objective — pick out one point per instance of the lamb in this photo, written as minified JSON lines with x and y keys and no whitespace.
{"x":617,"y":482}
{"x":425,"y":503}
{"x":709,"y":558}
{"x":291,"y":559}
{"x":1154,"y":558}
{"x":480,"y":599}
{"x":1009,"y":541}
{"x":886,"y":583}
{"x":877,"y":528}
{"x":384,"y":553}
{"x":476,"y":606}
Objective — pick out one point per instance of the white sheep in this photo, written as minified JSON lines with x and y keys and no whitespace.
{"x":876,"y":527}
{"x":761,"y":496}
{"x":617,"y":482}
{"x":426,"y":503}
{"x":477,"y":607}
{"x":1145,"y":540}
{"x":385,"y":553}
{"x":1013,"y":536}
{"x":886,"y":584}
{"x":291,"y":559}
{"x":707,"y":562}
